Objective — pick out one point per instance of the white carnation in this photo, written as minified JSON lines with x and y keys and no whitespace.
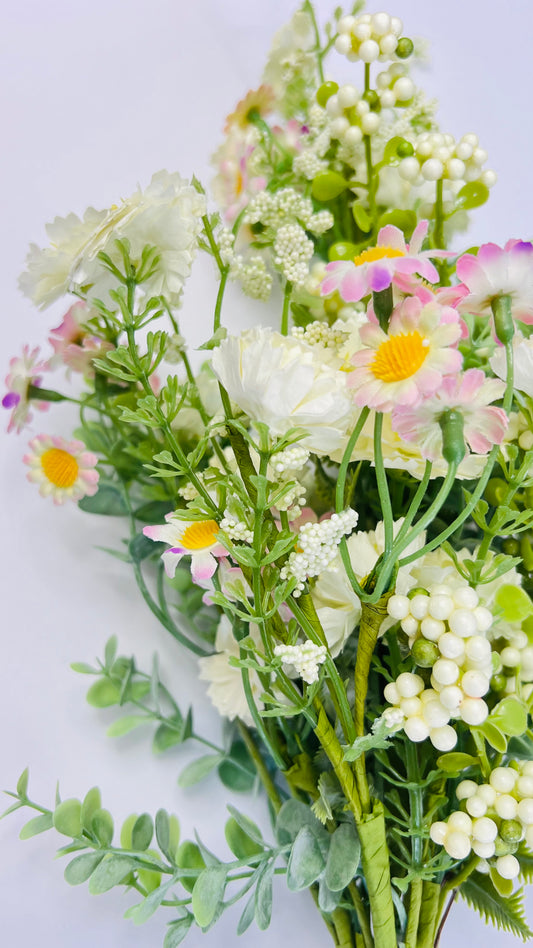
{"x":226,"y":689}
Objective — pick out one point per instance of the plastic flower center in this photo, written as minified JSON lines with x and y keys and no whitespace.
{"x":200,"y":534}
{"x":400,"y":357}
{"x":377,"y":253}
{"x":60,"y":467}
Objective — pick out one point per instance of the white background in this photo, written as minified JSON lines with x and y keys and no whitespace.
{"x":95,"y":98}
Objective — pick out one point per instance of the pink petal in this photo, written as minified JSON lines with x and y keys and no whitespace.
{"x":418,"y":237}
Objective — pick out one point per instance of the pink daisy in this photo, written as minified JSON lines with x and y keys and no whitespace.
{"x":497,"y":271}
{"x":375,"y":269}
{"x":194,"y":538}
{"x":73,"y":346}
{"x":64,"y":470}
{"x":471,"y":394}
{"x":24,"y":373}
{"x":408,"y":362}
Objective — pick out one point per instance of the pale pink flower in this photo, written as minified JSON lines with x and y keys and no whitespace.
{"x":64,"y":470}
{"x":234,"y":185}
{"x":471,"y":394}
{"x":375,"y":269}
{"x":497,"y":271}
{"x":194,"y":538}
{"x":409,"y":361}
{"x":73,"y":345}
{"x":24,"y":371}
{"x":523,"y":364}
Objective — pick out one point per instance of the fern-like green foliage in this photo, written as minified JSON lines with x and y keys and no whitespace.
{"x":504,"y":913}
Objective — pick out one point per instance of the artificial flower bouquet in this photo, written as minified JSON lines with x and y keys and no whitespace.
{"x":334,"y":515}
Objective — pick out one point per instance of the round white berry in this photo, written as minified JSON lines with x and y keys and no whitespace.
{"x":451,"y":697}
{"x":466,"y":789}
{"x":457,"y":845}
{"x":445,"y":672}
{"x":478,"y":649}
{"x":438,"y":832}
{"x":485,"y":830}
{"x":455,"y":168}
{"x":440,"y":607}
{"x":409,"y":625}
{"x":370,"y":123}
{"x":339,"y":126}
{"x":487,"y":793}
{"x":391,"y":693}
{"x":419,"y":606}
{"x":409,"y":169}
{"x":451,"y":646}
{"x":432,"y":169}
{"x":525,"y":810}
{"x":416,"y":729}
{"x":506,"y":806}
{"x":435,"y":714}
{"x":510,"y":657}
{"x":368,"y":51}
{"x":473,"y":711}
{"x":460,"y":821}
{"x":404,"y":89}
{"x":508,"y":867}
{"x":398,"y":607}
{"x":443,"y":738}
{"x":463,"y":623}
{"x":485,"y":850}
{"x":483,"y":617}
{"x":475,"y":684}
{"x":489,"y":178}
{"x":503,"y":779}
{"x":347,"y":96}
{"x":380,"y":23}
{"x":524,"y":786}
{"x":432,"y":629}
{"x":466,"y":597}
{"x":409,"y":685}
{"x":388,"y":44}
{"x":387,"y":97}
{"x":476,"y":806}
{"x":411,"y":707}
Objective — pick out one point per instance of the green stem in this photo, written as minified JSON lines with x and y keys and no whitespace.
{"x":383,"y":486}
{"x":318,"y":46}
{"x":429,"y":915}
{"x":340,"y":499}
{"x":415,"y":901}
{"x":376,"y":869}
{"x":260,"y":766}
{"x":330,"y":743}
{"x":343,"y":928}
{"x":416,"y":803}
{"x":362,"y":916}
{"x":286,"y":306}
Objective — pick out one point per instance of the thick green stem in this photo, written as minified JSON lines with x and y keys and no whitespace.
{"x":329,"y":741}
{"x":429,"y":915}
{"x":376,"y":868}
{"x":415,"y":901}
{"x":343,"y":928}
{"x":362,"y":917}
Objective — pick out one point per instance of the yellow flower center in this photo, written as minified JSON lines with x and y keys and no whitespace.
{"x":400,"y":357}
{"x":59,"y":467}
{"x":200,"y":535}
{"x":377,"y":253}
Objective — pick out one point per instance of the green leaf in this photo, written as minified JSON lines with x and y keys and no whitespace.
{"x":177,"y":931}
{"x":22,"y":783}
{"x":82,"y":867}
{"x":505,"y":914}
{"x":162,"y":831}
{"x":141,"y":547}
{"x":142,"y":832}
{"x":328,"y":900}
{"x":103,"y":693}
{"x":509,"y":716}
{"x":455,"y":762}
{"x":306,"y":861}
{"x":108,"y":501}
{"x":406,"y":221}
{"x":153,"y":512}
{"x":91,"y":803}
{"x":167,"y":736}
{"x":343,"y":857}
{"x":67,"y":818}
{"x":144,"y":910}
{"x":241,"y":845}
{"x":361,"y":217}
{"x":39,"y":824}
{"x":247,"y":916}
{"x":327,"y":185}
{"x":396,"y":149}
{"x":248,"y":826}
{"x":207,"y":894}
{"x":263,"y":897}
{"x":103,"y":827}
{"x":125,"y":725}
{"x":198,"y":770}
{"x":112,"y":871}
{"x":237,"y":771}
{"x":292,"y":817}
{"x":110,"y":651}
{"x":504,"y":887}
{"x":514,"y":602}
{"x":471,"y":195}
{"x":494,"y":736}
{"x":189,"y":856}
{"x":83,"y":668}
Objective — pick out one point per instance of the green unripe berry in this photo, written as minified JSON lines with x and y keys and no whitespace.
{"x":417,"y":591}
{"x":511,"y":831}
{"x":453,"y":443}
{"x":511,"y":547}
{"x":342,"y":250}
{"x":498,"y":682}
{"x":326,"y":90}
{"x":425,"y":653}
{"x":404,"y":48}
{"x":372,"y":98}
{"x":405,"y":149}
{"x":501,"y":847}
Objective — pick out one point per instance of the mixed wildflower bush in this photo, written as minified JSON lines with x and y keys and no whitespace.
{"x":335,"y":516}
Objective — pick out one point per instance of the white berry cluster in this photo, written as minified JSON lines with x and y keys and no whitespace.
{"x":351,"y":117}
{"x":394,"y":86}
{"x":447,"y":629}
{"x":292,"y":499}
{"x":318,"y":333}
{"x":368,"y":37}
{"x":236,"y":529}
{"x":317,"y":547}
{"x":515,"y":656}
{"x":440,"y":157}
{"x":293,"y":250}
{"x":308,"y":164}
{"x":290,"y":459}
{"x":286,"y":206}
{"x":499,"y":816}
{"x":305,"y":659}
{"x":253,"y":275}
{"x":226,"y":240}
{"x":175,"y":347}
{"x":423,"y":714}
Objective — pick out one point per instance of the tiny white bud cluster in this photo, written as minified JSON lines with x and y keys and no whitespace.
{"x":293,"y":500}
{"x":305,"y":659}
{"x":499,"y":816}
{"x":317,"y":547}
{"x":318,"y":333}
{"x":451,"y":617}
{"x":422,"y":711}
{"x":226,"y":240}
{"x":439,"y":157}
{"x":236,"y":529}
{"x":515,"y":656}
{"x":293,"y":250}
{"x":253,"y":276}
{"x":284,"y":207}
{"x":290,"y":459}
{"x":308,"y":164}
{"x":175,"y":347}
{"x":368,"y":37}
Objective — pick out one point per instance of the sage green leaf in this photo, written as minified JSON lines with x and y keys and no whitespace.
{"x":507,"y":914}
{"x":67,"y":818}
{"x":455,"y":762}
{"x":103,"y":693}
{"x":471,"y":195}
{"x":103,"y":827}
{"x":510,"y":716}
{"x":306,"y":861}
{"x":144,"y":910}
{"x":247,"y":916}
{"x":292,"y":817}
{"x":198,"y":769}
{"x":177,"y":931}
{"x":237,"y":771}
{"x":207,"y":894}
{"x":110,"y":651}
{"x":241,"y":845}
{"x":263,"y":897}
{"x":82,"y":867}
{"x":494,"y":736}
{"x":343,"y":857}
{"x":108,"y":501}
{"x":142,"y":832}
{"x":327,"y":899}
{"x":250,"y":828}
{"x":127,"y":724}
{"x":141,"y":547}
{"x":154,"y":511}
{"x":39,"y":824}
{"x":22,"y":783}
{"x":162,"y":831}
{"x":189,"y":856}
{"x":113,"y":869}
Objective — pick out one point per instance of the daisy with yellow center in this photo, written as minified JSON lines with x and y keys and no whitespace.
{"x":407,"y":363}
{"x":64,"y":470}
{"x":259,"y":102}
{"x":194,"y":538}
{"x":375,"y":269}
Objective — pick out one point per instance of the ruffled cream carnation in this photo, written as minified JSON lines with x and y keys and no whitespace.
{"x":282,"y":382}
{"x":166,"y":215}
{"x":226,"y":689}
